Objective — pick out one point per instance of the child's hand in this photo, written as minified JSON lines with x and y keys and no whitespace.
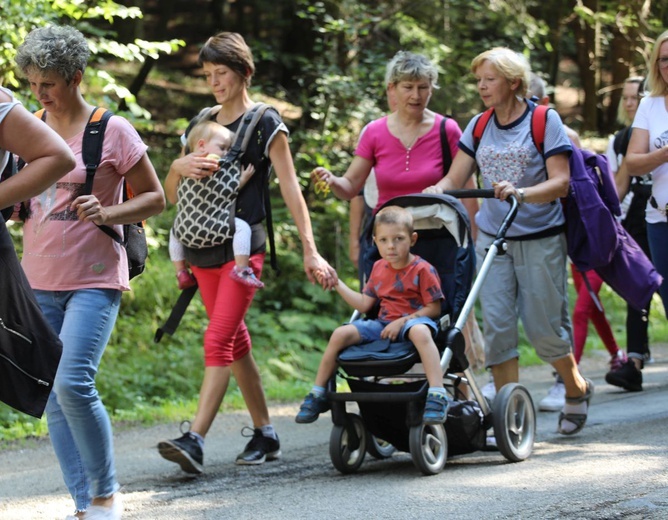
{"x":392,"y":330}
{"x":321,"y":276}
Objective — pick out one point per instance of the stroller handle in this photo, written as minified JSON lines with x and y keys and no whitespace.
{"x":471,"y":194}
{"x":489,"y":194}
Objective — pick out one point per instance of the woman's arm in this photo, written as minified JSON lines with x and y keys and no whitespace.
{"x":351,"y":183}
{"x":281,"y":159}
{"x":555,"y":187}
{"x":458,"y":175}
{"x":47,"y":156}
{"x":148,"y":199}
{"x":639,"y":160}
{"x":622,"y":180}
{"x":192,"y":165}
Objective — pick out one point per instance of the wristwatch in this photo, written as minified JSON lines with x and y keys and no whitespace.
{"x":521,"y":193}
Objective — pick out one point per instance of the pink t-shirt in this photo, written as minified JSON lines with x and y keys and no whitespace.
{"x":400,"y":171}
{"x":61,"y":253}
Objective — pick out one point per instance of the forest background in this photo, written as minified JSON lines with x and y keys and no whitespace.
{"x":322,"y":65}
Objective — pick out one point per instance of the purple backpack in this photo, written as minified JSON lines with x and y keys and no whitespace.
{"x":595,"y":239}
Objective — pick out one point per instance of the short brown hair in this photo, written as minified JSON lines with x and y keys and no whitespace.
{"x":229,"y":49}
{"x":394,"y":215}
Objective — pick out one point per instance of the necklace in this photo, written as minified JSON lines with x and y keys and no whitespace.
{"x":408,"y":144}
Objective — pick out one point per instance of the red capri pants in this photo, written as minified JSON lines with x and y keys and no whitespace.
{"x":226,"y":301}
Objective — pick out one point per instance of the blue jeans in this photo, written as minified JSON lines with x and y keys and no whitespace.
{"x":657,"y":236}
{"x":79,"y":425}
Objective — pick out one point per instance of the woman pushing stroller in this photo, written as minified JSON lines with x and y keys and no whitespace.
{"x":531,"y":278}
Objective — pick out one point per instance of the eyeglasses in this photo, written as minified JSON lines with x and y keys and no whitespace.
{"x":663,"y":62}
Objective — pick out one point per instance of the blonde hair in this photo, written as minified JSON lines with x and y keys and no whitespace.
{"x":394,"y":215}
{"x":622,"y":116}
{"x":205,"y":130}
{"x":512,"y":66}
{"x":656,"y":86}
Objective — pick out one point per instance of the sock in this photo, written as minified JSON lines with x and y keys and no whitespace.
{"x":318,"y":391}
{"x":437,"y":390}
{"x":580,"y":408}
{"x":268,"y":431}
{"x":198,"y":438}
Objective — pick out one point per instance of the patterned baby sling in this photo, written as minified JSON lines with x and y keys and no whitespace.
{"x":206,"y":207}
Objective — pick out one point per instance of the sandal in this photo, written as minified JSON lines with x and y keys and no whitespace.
{"x":578,"y":419}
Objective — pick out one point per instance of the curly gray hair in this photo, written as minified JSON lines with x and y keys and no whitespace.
{"x":55,"y":48}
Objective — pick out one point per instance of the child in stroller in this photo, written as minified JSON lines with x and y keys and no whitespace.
{"x":407,"y":289}
{"x":388,"y":386}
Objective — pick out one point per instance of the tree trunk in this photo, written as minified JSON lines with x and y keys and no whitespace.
{"x":587,"y":59}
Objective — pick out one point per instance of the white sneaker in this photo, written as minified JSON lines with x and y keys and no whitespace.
{"x":489,"y":391}
{"x":115,"y":512}
{"x":555,"y":398}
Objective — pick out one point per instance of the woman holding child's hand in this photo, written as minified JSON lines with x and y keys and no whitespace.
{"x":228,"y":66}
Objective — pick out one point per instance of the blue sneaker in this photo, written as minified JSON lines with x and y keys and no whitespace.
{"x":435,"y":409}
{"x":311,"y":408}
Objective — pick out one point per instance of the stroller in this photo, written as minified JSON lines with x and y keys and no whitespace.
{"x":382,"y":376}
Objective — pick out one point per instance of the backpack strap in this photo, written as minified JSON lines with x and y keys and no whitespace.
{"x":245,"y":131}
{"x":91,"y":148}
{"x":250,"y":120}
{"x":480,"y":126}
{"x":538,"y":124}
{"x":91,"y":154}
{"x":621,"y":142}
{"x":445,"y":147}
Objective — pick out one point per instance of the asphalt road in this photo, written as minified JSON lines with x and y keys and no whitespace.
{"x":617,"y":467}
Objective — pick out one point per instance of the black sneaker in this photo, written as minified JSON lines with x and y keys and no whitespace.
{"x":627,"y":376}
{"x":185,"y":451}
{"x":259,"y":448}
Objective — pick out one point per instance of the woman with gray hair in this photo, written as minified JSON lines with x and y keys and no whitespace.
{"x":404,"y":147}
{"x":530,"y":280}
{"x":77,"y":271}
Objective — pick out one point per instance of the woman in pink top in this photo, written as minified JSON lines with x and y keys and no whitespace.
{"x":77,"y":271}
{"x":403,"y":148}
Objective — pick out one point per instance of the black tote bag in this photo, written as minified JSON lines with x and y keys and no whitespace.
{"x":30,"y":350}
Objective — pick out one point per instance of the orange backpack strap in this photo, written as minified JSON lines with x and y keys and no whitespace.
{"x":480,"y":126}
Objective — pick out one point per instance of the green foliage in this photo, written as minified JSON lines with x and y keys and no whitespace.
{"x":339,"y":85}
{"x":20,"y":17}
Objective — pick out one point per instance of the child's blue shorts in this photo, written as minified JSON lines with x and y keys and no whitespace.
{"x":370,"y":329}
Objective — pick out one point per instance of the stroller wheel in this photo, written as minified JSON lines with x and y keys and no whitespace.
{"x":514,"y":420}
{"x":347,"y":444}
{"x":429,"y":447}
{"x":378,"y":448}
